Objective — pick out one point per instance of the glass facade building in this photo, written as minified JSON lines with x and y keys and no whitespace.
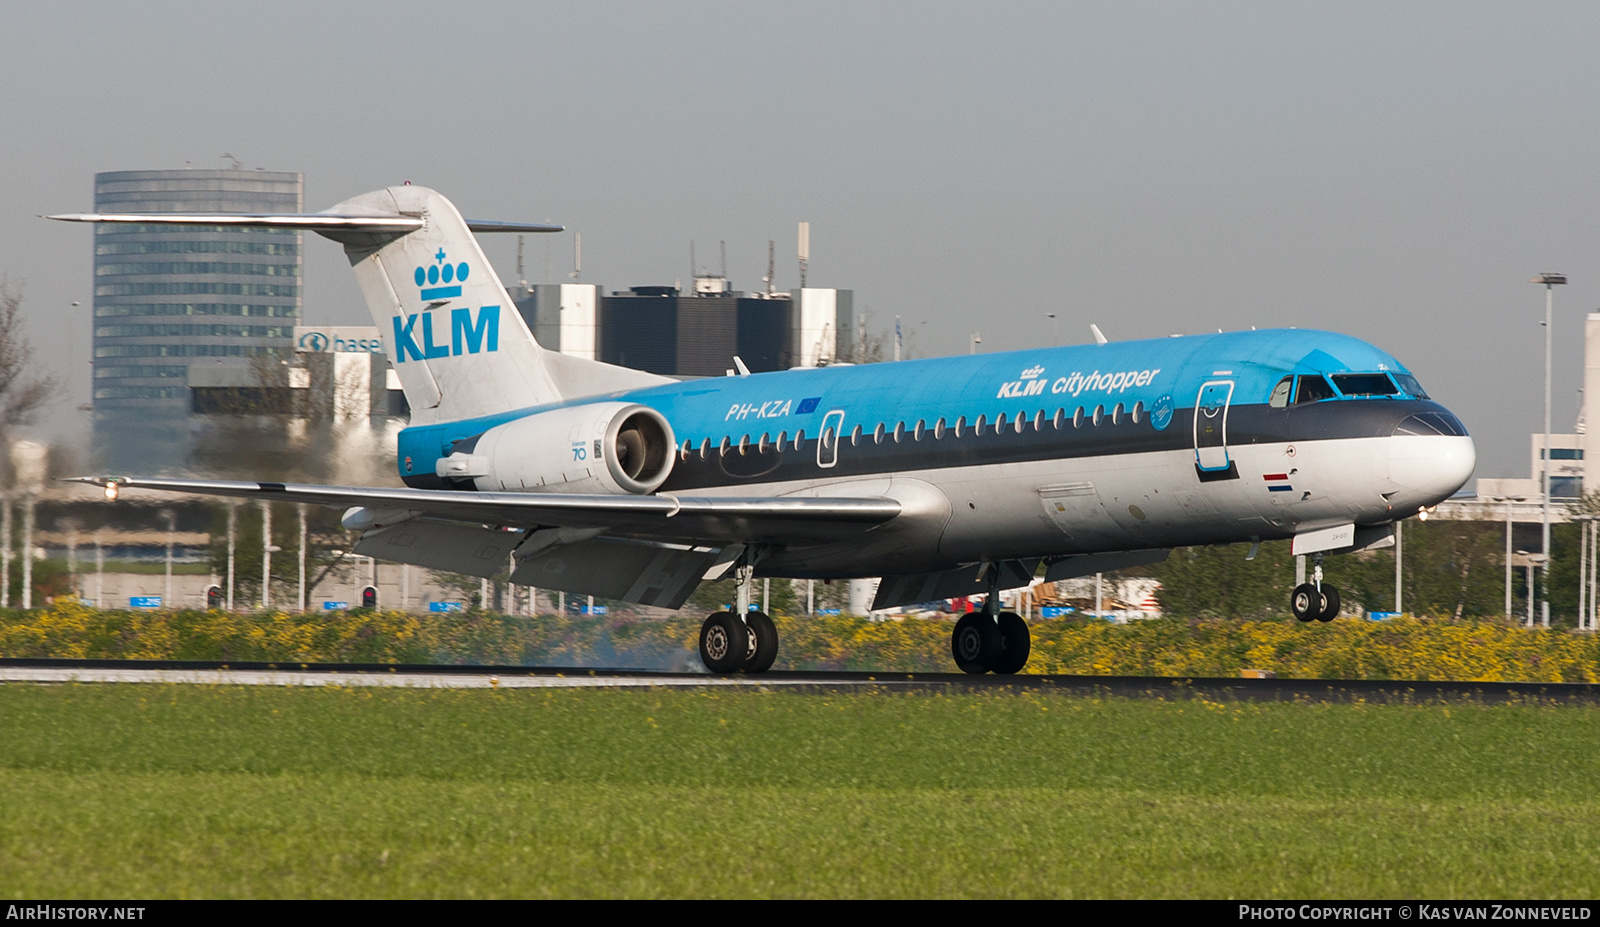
{"x":168,"y":296}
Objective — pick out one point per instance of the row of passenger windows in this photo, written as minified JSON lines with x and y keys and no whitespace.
{"x":921,"y":430}
{"x":286,"y":248}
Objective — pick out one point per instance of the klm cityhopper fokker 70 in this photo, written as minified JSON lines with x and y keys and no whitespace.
{"x":946,"y":477}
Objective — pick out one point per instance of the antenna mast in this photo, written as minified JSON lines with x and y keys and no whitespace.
{"x":522,"y":278}
{"x":768,"y":278}
{"x":805,"y":251}
{"x":577,"y":256}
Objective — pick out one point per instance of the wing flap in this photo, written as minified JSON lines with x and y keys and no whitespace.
{"x":633,"y":571}
{"x":450,"y":546}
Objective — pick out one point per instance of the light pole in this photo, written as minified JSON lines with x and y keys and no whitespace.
{"x":1508,"y":500}
{"x":166,"y":592}
{"x":1399,"y":536}
{"x":1550,"y":282}
{"x":972,"y":345}
{"x":1055,"y":329}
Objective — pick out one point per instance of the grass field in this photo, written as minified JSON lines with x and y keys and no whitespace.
{"x":171,"y":791}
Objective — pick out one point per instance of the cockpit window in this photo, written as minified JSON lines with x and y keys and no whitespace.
{"x":1312,"y":388}
{"x":1365,"y":384}
{"x":1280,"y":393}
{"x":1409,"y":384}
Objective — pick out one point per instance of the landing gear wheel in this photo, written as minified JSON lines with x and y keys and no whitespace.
{"x":724,"y":642}
{"x":976,"y":643}
{"x":1015,"y":643}
{"x":1305,"y":602}
{"x":1330,"y":603}
{"x":763,"y":643}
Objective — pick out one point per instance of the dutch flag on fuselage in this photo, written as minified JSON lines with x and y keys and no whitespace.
{"x":1277,"y":482}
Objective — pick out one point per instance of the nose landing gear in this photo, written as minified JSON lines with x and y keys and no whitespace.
{"x":1316,"y":600}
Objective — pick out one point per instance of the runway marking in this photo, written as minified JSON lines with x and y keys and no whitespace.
{"x":253,"y":677}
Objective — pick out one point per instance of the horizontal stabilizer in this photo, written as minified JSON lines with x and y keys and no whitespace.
{"x":310,"y":221}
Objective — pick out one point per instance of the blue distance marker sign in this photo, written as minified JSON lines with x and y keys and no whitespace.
{"x":144,"y":601}
{"x":444,"y":606}
{"x":335,"y":606}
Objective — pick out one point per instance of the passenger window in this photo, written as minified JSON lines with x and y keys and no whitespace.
{"x":961,"y":425}
{"x":899,"y":431}
{"x":1077,"y":418}
{"x":1116,"y":415}
{"x":1280,"y":393}
{"x":1099,"y":413}
{"x":1061,"y":418}
{"x":799,"y":439}
{"x":705,"y":448}
{"x":977,"y":428}
{"x":1000,"y":424}
{"x":916,"y":433}
{"x":877,"y":434}
{"x":855,"y":436}
{"x":761,"y":446}
{"x":1137,"y":412}
{"x":938,"y":429}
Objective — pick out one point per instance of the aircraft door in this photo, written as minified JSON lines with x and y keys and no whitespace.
{"x":1211,"y":426}
{"x":828,"y":441}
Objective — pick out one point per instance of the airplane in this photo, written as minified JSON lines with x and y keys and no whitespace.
{"x":947,"y":477}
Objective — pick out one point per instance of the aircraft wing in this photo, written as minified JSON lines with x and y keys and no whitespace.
{"x":787,"y":520}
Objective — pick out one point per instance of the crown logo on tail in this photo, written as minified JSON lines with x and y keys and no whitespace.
{"x":440,"y":272}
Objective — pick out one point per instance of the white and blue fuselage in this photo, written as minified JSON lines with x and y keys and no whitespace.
{"x":1050,"y":451}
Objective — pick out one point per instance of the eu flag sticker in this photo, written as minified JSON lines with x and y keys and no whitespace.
{"x":808,"y":406}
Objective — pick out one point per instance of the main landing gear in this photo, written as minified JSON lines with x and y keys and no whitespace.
{"x":1316,"y":600}
{"x":991,"y":641}
{"x":739,"y":641}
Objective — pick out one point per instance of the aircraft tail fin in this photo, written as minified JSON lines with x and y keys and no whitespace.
{"x":459,"y":345}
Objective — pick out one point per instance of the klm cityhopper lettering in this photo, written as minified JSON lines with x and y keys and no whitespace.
{"x":466,"y":335}
{"x":441,"y":281}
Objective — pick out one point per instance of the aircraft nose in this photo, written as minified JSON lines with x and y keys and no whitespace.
{"x":1431,"y":456}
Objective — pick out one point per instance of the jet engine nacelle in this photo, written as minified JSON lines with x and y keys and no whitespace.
{"x":603,"y":447}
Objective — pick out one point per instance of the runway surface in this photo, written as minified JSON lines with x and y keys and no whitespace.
{"x":524,"y":677}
